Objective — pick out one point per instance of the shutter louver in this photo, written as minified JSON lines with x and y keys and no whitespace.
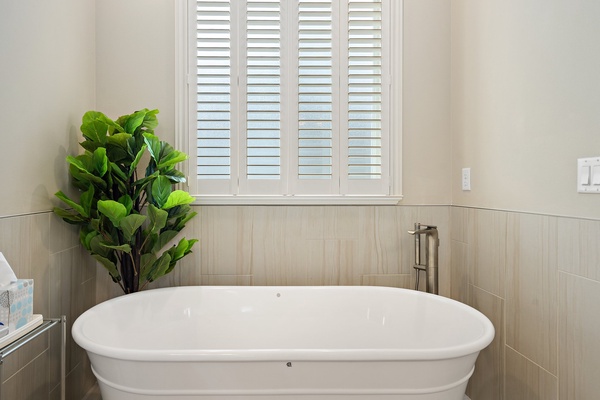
{"x":364,"y":89}
{"x":213,"y":42}
{"x":263,"y":89}
{"x":315,"y":89}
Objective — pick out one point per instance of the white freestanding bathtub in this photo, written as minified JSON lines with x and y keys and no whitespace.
{"x":271,"y":343}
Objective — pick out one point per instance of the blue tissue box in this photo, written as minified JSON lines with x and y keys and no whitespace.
{"x":16,"y":304}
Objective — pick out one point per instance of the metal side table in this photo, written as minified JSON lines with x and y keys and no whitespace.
{"x":46,"y":325}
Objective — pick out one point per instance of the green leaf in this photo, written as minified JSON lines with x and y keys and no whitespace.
{"x":146,"y":262}
{"x":178,"y":198}
{"x":158,"y":218}
{"x":174,"y":158}
{"x":181,"y":250}
{"x":130,"y":224}
{"x":150,"y":120}
{"x":78,"y":162}
{"x":190,"y":245}
{"x":110,"y":266}
{"x":84,"y":179}
{"x":184,"y":220}
{"x":90,"y":146}
{"x":179,"y":211}
{"x":174,"y":175}
{"x":161,"y":191}
{"x":91,"y":116}
{"x":140,"y":185}
{"x":69,"y":217}
{"x":95,"y":224}
{"x":118,"y":139}
{"x":127,"y":202}
{"x":154,"y":146}
{"x":163,"y":239}
{"x":95,"y":130}
{"x":133,"y":121}
{"x":114,"y":210}
{"x":100,"y":161}
{"x":137,"y":159}
{"x":149,"y":243}
{"x":123,"y":247}
{"x":116,"y":170}
{"x":97,"y":247}
{"x":75,"y":206}
{"x":169,"y":156}
{"x":87,"y":199}
{"x":87,"y":239}
{"x":117,"y":154}
{"x":160,"y":267}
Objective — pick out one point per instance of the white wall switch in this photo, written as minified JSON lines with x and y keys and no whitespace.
{"x":588,"y":175}
{"x":466,"y":179}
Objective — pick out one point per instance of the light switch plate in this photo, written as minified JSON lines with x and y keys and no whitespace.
{"x":588,"y":175}
{"x":466,"y":179}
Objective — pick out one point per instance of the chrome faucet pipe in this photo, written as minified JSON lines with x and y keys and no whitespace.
{"x":417,"y":244}
{"x":431,"y":265}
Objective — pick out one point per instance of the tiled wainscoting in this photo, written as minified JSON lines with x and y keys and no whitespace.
{"x":536,"y":277}
{"x":304,"y":245}
{"x":42,"y":247}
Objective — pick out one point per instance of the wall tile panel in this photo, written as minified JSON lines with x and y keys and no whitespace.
{"x":531,"y":288}
{"x":487,"y":382}
{"x":579,"y":330}
{"x":487,"y":256}
{"x":526,"y":380}
{"x":579,"y":247}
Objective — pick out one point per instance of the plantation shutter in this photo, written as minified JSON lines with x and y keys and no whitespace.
{"x":364,"y":90}
{"x":262,"y":82}
{"x":214,"y":72}
{"x":292,"y":97}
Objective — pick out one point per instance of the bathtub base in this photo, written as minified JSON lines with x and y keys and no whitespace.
{"x":456,"y":393}
{"x":339,"y":384}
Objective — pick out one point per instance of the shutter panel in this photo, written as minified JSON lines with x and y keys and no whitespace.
{"x":364,"y":89}
{"x":315,"y":89}
{"x":263,"y":89}
{"x":213,"y":94}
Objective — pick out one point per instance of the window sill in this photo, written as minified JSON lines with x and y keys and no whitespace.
{"x":296,"y":200}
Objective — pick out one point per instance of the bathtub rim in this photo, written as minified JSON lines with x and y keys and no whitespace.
{"x":234,"y":355}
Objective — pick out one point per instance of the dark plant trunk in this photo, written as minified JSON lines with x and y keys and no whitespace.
{"x":128,"y":272}
{"x":131,"y":262}
{"x":130,"y":267}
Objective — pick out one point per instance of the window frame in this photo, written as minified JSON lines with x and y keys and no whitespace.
{"x":185,"y":121}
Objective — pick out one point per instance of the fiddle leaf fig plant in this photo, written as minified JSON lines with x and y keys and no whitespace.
{"x":128,"y":214}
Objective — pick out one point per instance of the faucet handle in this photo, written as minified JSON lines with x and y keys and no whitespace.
{"x":422,"y":229}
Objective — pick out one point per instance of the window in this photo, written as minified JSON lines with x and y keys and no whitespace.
{"x":291,"y":98}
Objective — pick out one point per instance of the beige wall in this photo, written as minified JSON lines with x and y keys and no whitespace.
{"x":47,"y":68}
{"x":46,"y":83}
{"x":135,"y":62}
{"x":525,"y":97}
{"x":525,"y":101}
{"x":144,"y":76}
{"x":426,"y":155}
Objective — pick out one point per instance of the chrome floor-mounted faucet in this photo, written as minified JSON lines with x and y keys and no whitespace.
{"x":431,"y":263}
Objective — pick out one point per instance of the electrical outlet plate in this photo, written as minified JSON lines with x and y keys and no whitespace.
{"x":466,"y":179}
